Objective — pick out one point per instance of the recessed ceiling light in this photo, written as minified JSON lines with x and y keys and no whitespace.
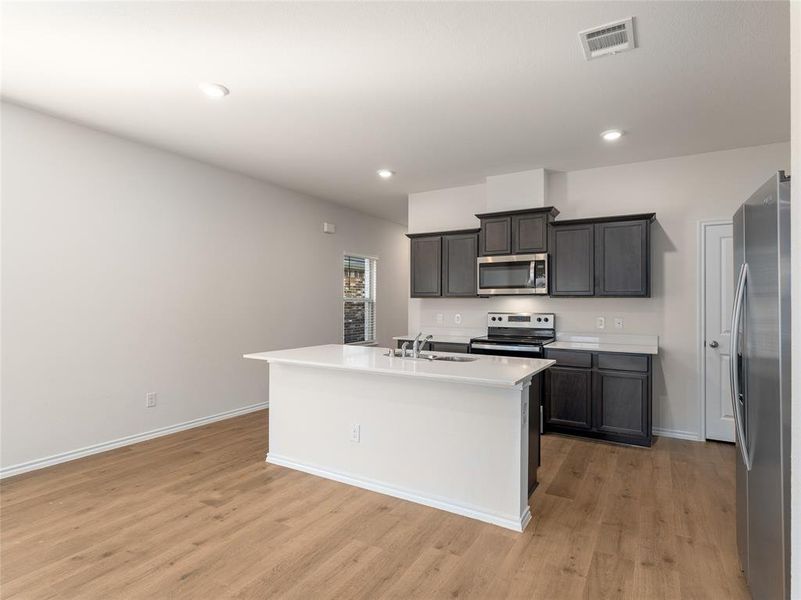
{"x":214,"y":90}
{"x":610,"y":135}
{"x":385,"y":173}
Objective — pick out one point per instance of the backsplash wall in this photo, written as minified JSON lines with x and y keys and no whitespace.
{"x":572,"y":314}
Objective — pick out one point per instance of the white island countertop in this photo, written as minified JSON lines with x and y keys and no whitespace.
{"x":497,"y":371}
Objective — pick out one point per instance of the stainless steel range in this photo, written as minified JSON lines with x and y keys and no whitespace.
{"x":515,"y":334}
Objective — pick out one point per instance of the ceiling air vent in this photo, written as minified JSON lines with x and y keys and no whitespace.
{"x":608,"y":39}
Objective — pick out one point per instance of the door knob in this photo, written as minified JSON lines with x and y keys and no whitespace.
{"x":713,"y":344}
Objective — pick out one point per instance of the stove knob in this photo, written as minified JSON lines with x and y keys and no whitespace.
{"x":493,"y":318}
{"x":539,"y":320}
{"x":546,"y":319}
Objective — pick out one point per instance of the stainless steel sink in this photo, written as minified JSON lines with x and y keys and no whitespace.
{"x":432,"y":357}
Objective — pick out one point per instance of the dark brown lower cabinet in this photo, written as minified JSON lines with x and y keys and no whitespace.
{"x":621,"y":406}
{"x":568,"y":394}
{"x":600,"y":395}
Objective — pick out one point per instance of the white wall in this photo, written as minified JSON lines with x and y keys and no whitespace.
{"x":127,"y":269}
{"x":513,"y":191}
{"x":681,"y":191}
{"x":456,"y":207}
{"x":451,"y":208}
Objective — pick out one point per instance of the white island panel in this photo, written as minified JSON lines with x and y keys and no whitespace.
{"x":452,"y":435}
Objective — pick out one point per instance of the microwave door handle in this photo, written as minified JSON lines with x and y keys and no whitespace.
{"x":532,"y":281}
{"x":736,"y":317}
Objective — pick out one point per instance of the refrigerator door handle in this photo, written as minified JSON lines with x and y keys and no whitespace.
{"x":736,"y":316}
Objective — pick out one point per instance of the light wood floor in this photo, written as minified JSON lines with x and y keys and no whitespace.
{"x":199,"y":514}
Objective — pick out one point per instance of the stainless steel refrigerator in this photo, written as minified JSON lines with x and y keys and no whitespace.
{"x":760,"y":383}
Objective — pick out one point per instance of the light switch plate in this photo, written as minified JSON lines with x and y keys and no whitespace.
{"x":600,"y":322}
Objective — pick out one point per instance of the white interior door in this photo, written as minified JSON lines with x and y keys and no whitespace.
{"x":718,"y":298}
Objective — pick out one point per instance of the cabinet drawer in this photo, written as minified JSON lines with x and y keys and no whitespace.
{"x":623,"y":362}
{"x":570,"y":358}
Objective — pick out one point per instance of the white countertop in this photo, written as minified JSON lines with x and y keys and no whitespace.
{"x":607,"y":342}
{"x":496,"y":371}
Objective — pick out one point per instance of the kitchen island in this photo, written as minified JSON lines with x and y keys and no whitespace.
{"x":452,"y":433}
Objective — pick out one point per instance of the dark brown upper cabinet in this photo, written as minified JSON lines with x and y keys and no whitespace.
{"x":443,"y":264}
{"x":572,"y":262}
{"x":496,"y":236}
{"x":515,"y":231}
{"x":529,"y":233}
{"x":426,"y":266}
{"x":459,"y":253}
{"x":622,"y":257}
{"x":601,"y":257}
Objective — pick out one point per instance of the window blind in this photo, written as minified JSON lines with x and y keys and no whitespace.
{"x":359,"y":283}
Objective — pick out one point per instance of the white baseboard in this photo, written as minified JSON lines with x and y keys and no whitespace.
{"x":381,"y":488}
{"x":62,"y":457}
{"x":678,"y":434}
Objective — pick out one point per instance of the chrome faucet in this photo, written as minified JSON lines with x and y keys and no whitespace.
{"x":417,"y":349}
{"x":403,"y":348}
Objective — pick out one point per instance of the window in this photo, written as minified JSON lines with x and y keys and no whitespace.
{"x":359,"y":299}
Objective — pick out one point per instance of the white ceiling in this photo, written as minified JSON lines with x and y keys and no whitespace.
{"x":323,"y":94}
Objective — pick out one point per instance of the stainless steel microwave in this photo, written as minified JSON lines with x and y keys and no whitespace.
{"x":512,"y":274}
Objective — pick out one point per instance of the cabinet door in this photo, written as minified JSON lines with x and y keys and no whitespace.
{"x":529,"y":233}
{"x":568,"y":397}
{"x":496,"y":236}
{"x":426,"y":267}
{"x":621,"y":403}
{"x":572,"y":260}
{"x":459,"y":254}
{"x":622,"y":258}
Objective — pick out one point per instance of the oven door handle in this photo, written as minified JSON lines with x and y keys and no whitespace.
{"x":506,"y":348}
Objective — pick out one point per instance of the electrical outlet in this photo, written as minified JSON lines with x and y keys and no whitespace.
{"x":457,"y":318}
{"x":618,"y":323}
{"x":355,"y":433}
{"x":150,"y":400}
{"x":440,"y":318}
{"x":600,"y":322}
